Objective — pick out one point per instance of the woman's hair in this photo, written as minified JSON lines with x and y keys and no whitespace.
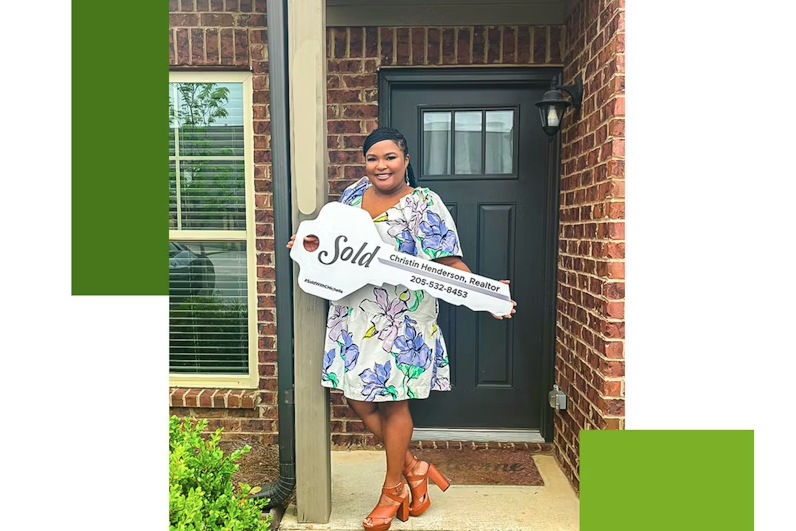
{"x":388,"y":133}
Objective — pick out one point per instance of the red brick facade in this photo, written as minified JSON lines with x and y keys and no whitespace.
{"x":207,"y":34}
{"x":590,"y":329}
{"x":354,"y":54}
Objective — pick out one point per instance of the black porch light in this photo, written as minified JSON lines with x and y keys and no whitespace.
{"x":554,"y":105}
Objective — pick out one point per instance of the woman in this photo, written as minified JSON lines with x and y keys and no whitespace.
{"x":383,"y":345}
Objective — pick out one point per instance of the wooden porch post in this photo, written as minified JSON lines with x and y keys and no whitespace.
{"x":307,"y":71}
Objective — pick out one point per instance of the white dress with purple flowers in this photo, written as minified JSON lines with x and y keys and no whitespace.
{"x":383,"y":343}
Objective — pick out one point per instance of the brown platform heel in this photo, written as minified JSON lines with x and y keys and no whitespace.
{"x":382,"y":512}
{"x":420,"y":492}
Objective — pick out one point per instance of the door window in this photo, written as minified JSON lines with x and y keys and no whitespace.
{"x":478,"y":143}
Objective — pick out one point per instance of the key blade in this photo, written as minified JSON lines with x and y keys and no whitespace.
{"x":452,"y":285}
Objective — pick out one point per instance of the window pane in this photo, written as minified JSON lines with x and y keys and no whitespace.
{"x":172,"y":195}
{"x":436,"y":143}
{"x":172,"y":118}
{"x":208,"y":310}
{"x":208,"y":117}
{"x":212,"y":195}
{"x":468,"y":143}
{"x":499,"y":141}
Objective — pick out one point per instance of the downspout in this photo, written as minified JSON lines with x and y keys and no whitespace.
{"x":279,"y":490}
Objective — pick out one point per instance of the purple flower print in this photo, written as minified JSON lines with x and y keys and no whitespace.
{"x":328,"y":359}
{"x":348,"y":350}
{"x":396,"y":227}
{"x":387,"y":316}
{"x":438,"y":238}
{"x":407,"y":243}
{"x":337,"y":319}
{"x":375,"y":381}
{"x":441,"y":384}
{"x":403,"y":235}
{"x":417,"y":207}
{"x":353,"y":195}
{"x":327,"y":376}
{"x":413,"y":354}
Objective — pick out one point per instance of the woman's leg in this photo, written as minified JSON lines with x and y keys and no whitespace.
{"x":397,"y":431}
{"x":371,"y":416}
{"x":393,"y":426}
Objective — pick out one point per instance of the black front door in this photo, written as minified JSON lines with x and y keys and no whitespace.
{"x":479,"y":145}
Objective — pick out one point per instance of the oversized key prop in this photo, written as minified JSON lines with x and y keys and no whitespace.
{"x":351,"y":255}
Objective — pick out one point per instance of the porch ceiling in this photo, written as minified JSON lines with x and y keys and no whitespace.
{"x":443,"y":12}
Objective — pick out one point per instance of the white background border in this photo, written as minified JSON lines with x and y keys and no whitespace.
{"x":710,"y":288}
{"x":84,"y":379}
{"x":710,"y":230}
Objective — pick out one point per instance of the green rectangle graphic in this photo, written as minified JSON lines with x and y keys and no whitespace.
{"x":664,"y":480}
{"x":119,"y":201}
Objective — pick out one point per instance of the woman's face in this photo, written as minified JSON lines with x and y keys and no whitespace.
{"x":385,"y":165}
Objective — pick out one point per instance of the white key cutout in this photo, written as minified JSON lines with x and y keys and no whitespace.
{"x":351,"y":255}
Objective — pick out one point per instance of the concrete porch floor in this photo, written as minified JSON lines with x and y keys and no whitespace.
{"x":357,"y":477}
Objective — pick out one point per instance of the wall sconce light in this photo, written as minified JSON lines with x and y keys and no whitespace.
{"x":553,"y":105}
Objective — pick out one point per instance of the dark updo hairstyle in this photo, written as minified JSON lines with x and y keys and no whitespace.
{"x":388,"y":133}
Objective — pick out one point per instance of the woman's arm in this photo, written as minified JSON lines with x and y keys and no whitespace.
{"x":453,"y":261}
{"x":458,"y":263}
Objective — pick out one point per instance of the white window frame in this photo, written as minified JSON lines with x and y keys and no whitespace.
{"x":252,"y":379}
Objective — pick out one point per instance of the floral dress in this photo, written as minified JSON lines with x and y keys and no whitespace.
{"x":383,"y":342}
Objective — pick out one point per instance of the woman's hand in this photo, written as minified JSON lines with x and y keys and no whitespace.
{"x":512,"y":310}
{"x":310,"y":243}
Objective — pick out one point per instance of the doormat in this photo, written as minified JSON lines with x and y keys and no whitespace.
{"x":484,"y":467}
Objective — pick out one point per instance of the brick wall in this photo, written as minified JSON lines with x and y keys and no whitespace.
{"x":224,"y":34}
{"x":590,"y":330}
{"x":354,"y":54}
{"x":590,"y":326}
{"x":232,"y":34}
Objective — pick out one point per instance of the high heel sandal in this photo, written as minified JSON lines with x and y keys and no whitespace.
{"x":421,"y":491}
{"x":382,"y":512}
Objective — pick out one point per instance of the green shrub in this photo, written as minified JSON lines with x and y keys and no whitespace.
{"x":201,"y":494}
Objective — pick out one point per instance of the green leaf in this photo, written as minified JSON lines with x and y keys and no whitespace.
{"x":330,"y":377}
{"x":419,"y":295}
{"x":410,"y":393}
{"x":411,"y":371}
{"x":390,"y":390}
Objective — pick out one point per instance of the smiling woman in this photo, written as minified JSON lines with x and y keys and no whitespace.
{"x":383,"y":344}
